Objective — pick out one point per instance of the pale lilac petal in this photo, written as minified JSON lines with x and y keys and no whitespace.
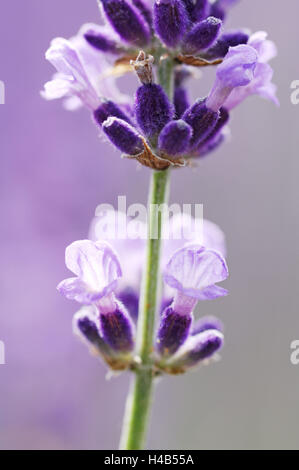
{"x":55,"y":89}
{"x":236,"y":70}
{"x":261,"y":85}
{"x":212,"y":292}
{"x":184,"y":229}
{"x":95,"y":264}
{"x":193,"y":269}
{"x":75,"y":289}
{"x":265,"y":48}
{"x":127,"y":236}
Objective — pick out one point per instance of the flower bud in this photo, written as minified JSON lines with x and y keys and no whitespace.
{"x":202,"y":35}
{"x":207,"y":323}
{"x":175,"y":137}
{"x":226,"y":40}
{"x":171,"y":21}
{"x":181,"y":101}
{"x":123,"y":136}
{"x":153,"y":109}
{"x":173,"y":331}
{"x":127,"y":21}
{"x":180,"y":98}
{"x":201,"y":119}
{"x":117,"y":328}
{"x":109,"y":108}
{"x":196,"y":349}
{"x":204,"y":346}
{"x":101,"y":42}
{"x":130,"y":299}
{"x":145,"y":11}
{"x":222,"y":121}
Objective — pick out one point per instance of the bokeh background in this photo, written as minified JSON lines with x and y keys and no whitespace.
{"x":55,"y":170}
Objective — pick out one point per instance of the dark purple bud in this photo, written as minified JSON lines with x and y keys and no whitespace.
{"x":144,"y":10}
{"x":153,"y":109}
{"x":211,"y":145}
{"x":109,"y":108}
{"x":217,"y":11}
{"x":201,"y":119}
{"x":175,"y":137}
{"x":220,"y":8}
{"x":207,"y":323}
{"x":171,"y":21}
{"x":181,"y":101}
{"x":202,"y":35}
{"x":201,"y":10}
{"x":101,"y":42}
{"x":88,"y":330}
{"x":197,"y":10}
{"x":117,"y":329}
{"x":222,"y":121}
{"x":123,"y":136}
{"x":127,"y":21}
{"x":216,"y":137}
{"x":181,"y":75}
{"x":130,"y":299}
{"x":173,"y":331}
{"x":227,"y":40}
{"x":205,"y":347}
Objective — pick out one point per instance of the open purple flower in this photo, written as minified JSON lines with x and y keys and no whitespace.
{"x":261,"y":84}
{"x":97,"y":269}
{"x":193,"y":273}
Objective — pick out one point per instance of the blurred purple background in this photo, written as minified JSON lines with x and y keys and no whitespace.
{"x":55,"y":170}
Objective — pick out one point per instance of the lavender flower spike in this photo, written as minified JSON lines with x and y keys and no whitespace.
{"x":192,"y":272}
{"x":127,"y":21}
{"x":123,"y":136}
{"x":202,"y":35}
{"x":236,"y":70}
{"x":171,"y":21}
{"x":175,"y":137}
{"x":98,"y":270}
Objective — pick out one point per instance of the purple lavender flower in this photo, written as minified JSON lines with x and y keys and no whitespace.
{"x":123,"y":136}
{"x":79,"y":69}
{"x":181,"y":98}
{"x":202,"y":35}
{"x":101,"y":41}
{"x":202,"y":119}
{"x":127,"y":21}
{"x":261,"y":84}
{"x":220,"y":8}
{"x":153,"y":109}
{"x":171,"y":21}
{"x":109,"y":109}
{"x":237,"y":70}
{"x":196,"y":349}
{"x":98,"y":270}
{"x":226,"y":40}
{"x":200,"y":10}
{"x":175,"y":137}
{"x":192,"y":272}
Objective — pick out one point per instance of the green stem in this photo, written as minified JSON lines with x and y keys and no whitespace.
{"x":140,"y":395}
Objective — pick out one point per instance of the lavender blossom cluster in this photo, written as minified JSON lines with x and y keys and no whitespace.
{"x":107,"y":283}
{"x":156,"y":129}
{"x":161,"y":128}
